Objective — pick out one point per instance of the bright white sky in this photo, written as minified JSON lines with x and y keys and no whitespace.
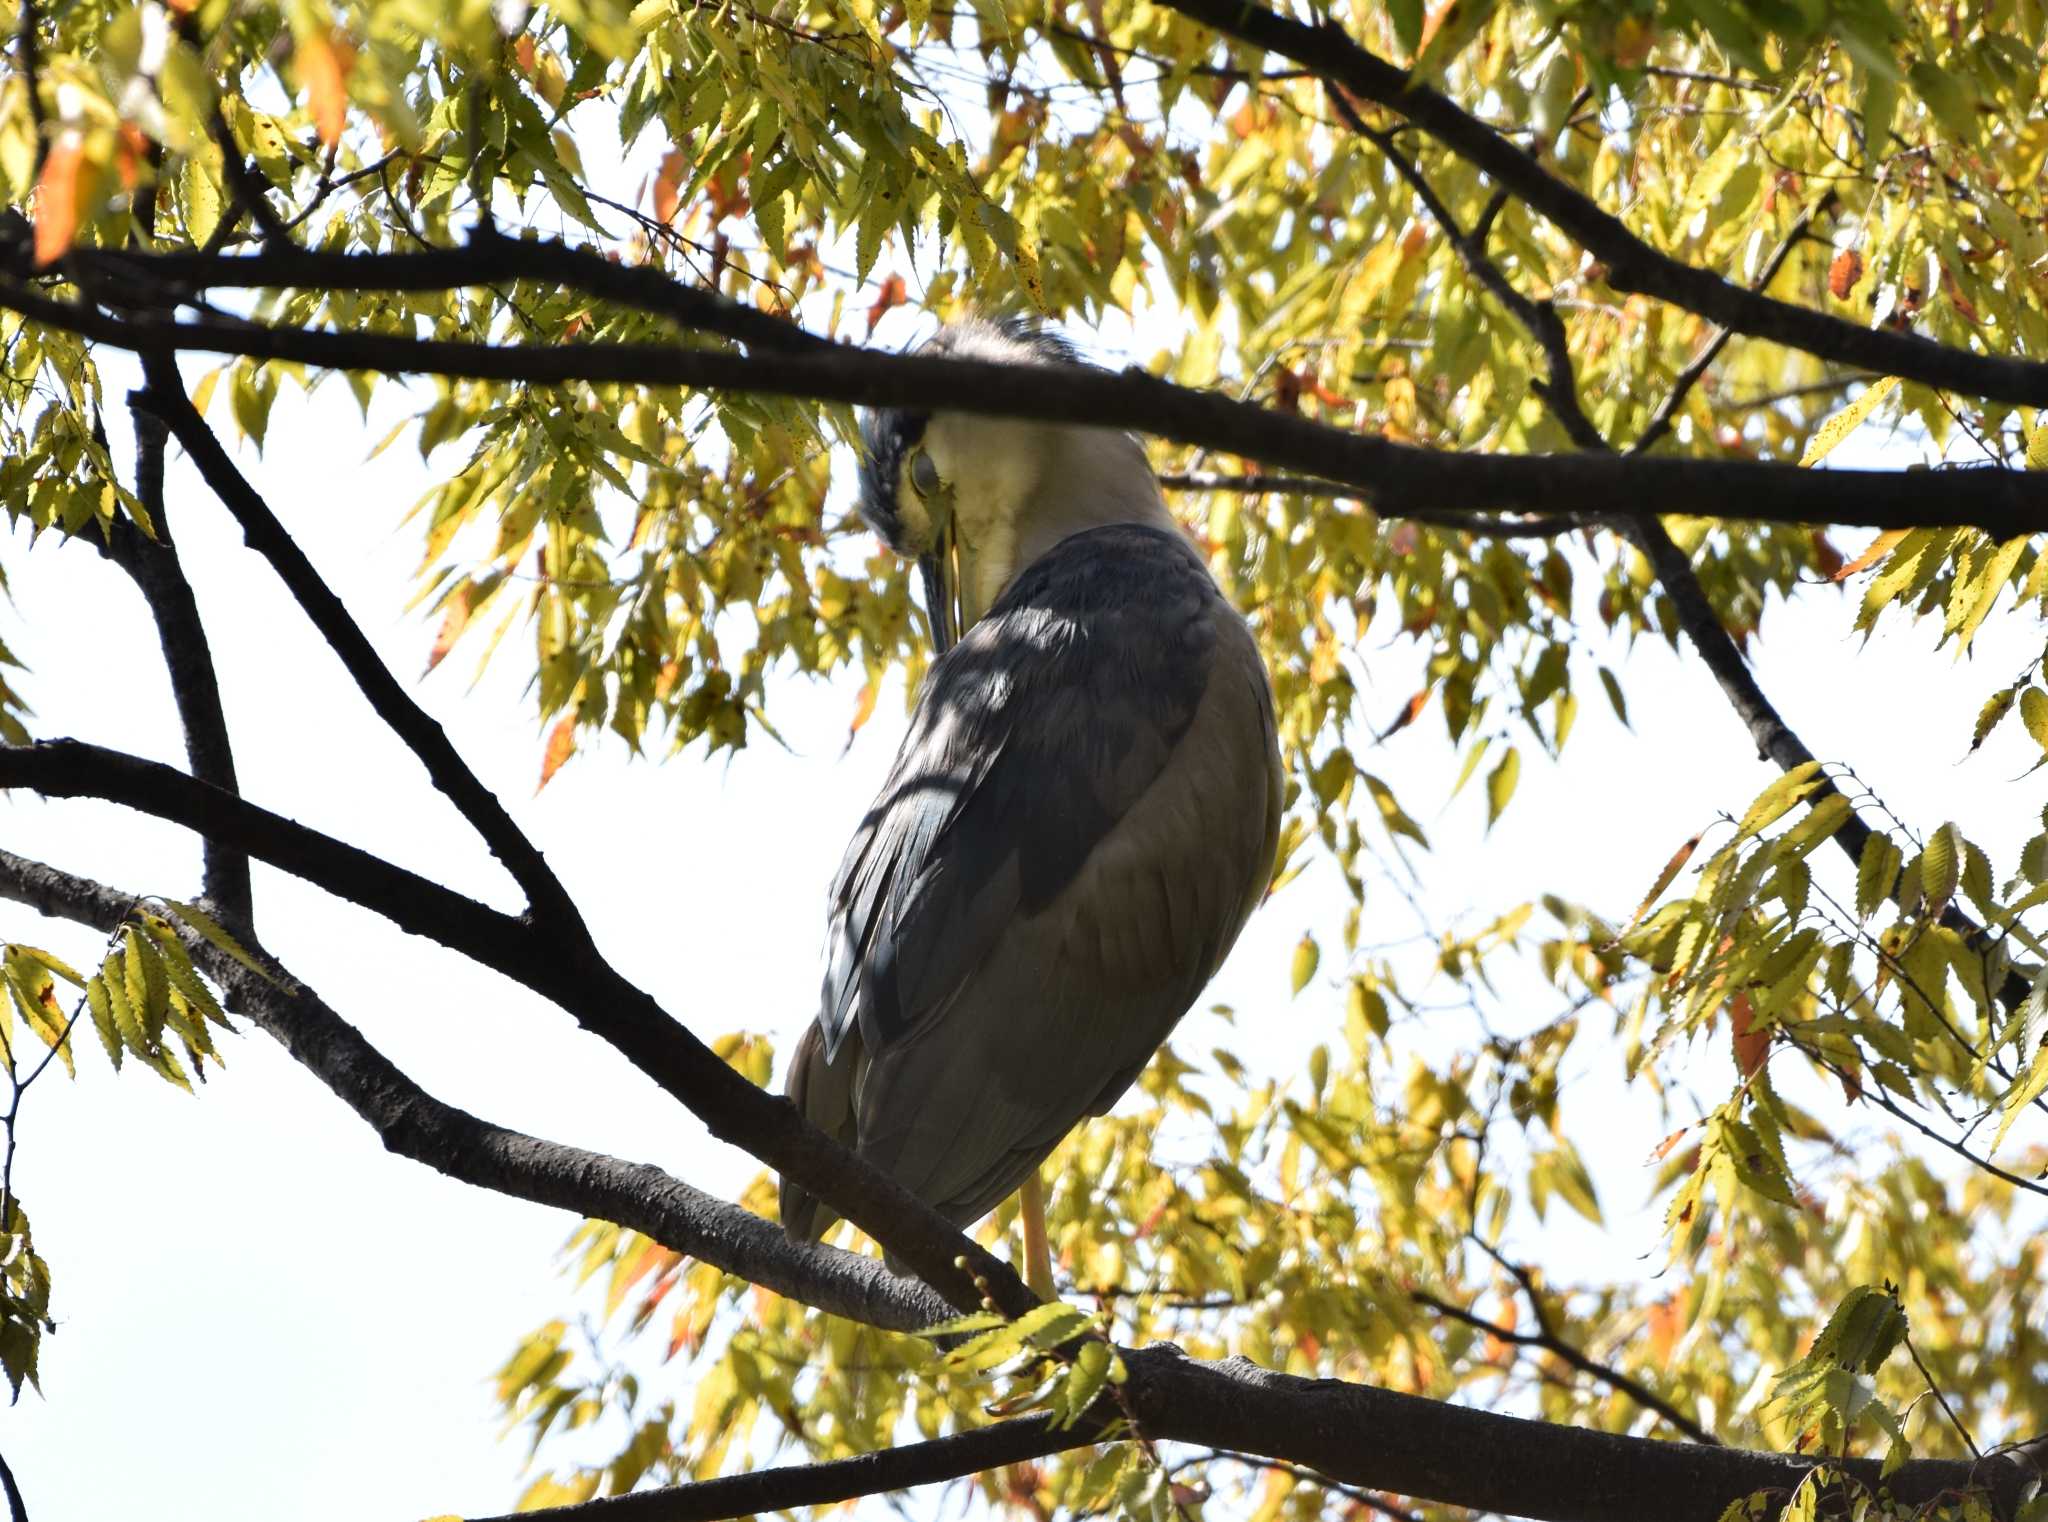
{"x":259,"y":1310}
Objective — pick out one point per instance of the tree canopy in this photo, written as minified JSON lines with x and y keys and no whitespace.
{"x":1504,"y":336}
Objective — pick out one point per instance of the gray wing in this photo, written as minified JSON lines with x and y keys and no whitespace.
{"x":1082,"y":816}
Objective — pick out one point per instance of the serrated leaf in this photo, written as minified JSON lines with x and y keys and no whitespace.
{"x":210,"y":929}
{"x":1995,"y":708}
{"x":102,"y":1008}
{"x":1785,"y":790}
{"x":1877,"y":873}
{"x":1941,"y":868}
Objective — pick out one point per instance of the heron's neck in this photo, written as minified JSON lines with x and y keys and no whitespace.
{"x":1081,"y":478}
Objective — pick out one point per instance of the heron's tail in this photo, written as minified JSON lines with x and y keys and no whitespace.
{"x":823,"y":1092}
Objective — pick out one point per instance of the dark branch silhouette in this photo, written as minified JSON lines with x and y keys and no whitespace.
{"x":153,"y":565}
{"x":1394,"y":477}
{"x":603,"y":1002}
{"x":166,"y":401}
{"x":1631,"y":265}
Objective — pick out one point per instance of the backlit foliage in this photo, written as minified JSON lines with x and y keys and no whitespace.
{"x":1853,"y":1223}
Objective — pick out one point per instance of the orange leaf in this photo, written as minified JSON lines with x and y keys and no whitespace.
{"x":863,"y":710}
{"x":668,"y":185}
{"x":1751,"y":1044}
{"x":1664,"y":1147}
{"x":1671,"y":870}
{"x":130,"y":149}
{"x":452,"y":624}
{"x":1410,"y":712}
{"x":1843,"y":273}
{"x":892,"y":294}
{"x":1877,"y":549}
{"x":323,"y":64}
{"x":1825,"y":555}
{"x":561,"y":746}
{"x":61,"y":193}
{"x":522,"y":53}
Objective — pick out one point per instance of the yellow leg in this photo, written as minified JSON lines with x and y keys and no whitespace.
{"x":1037,"y":1255}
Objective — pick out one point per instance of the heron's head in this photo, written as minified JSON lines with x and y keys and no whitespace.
{"x":977,"y":499}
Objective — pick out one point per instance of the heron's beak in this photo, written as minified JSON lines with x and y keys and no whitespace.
{"x":941,"y":591}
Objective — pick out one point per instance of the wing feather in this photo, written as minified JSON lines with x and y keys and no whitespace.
{"x":1082,"y":815}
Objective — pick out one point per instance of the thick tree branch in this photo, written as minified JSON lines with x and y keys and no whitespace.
{"x":165,"y":398}
{"x":1483,"y":525}
{"x":604,"y":1003}
{"x":869,"y":1474}
{"x":488,"y":258}
{"x":1353,"y":1434}
{"x":414,"y":1124}
{"x":1394,"y":477}
{"x":154,"y":566}
{"x":1631,"y":264}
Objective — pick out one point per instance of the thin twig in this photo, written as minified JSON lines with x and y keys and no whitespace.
{"x":1661,"y":423}
{"x":1941,"y":1400}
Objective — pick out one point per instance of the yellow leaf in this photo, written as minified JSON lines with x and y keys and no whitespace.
{"x":1875,"y":551}
{"x":1307,"y":955}
{"x":1847,"y":421}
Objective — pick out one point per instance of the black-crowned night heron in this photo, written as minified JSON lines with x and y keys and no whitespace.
{"x":1082,"y":817}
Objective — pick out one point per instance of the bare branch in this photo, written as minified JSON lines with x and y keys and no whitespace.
{"x":1667,"y":412}
{"x":413,"y":1123}
{"x":1365,"y":1498}
{"x":1483,"y":525}
{"x":488,"y":257}
{"x":17,"y":1509}
{"x":154,"y":566}
{"x":574,"y":977}
{"x":1540,"y":318}
{"x":1550,"y":1342}
{"x":165,"y":398}
{"x":1631,"y":264}
{"x":785,"y":1489}
{"x":1395,"y":477}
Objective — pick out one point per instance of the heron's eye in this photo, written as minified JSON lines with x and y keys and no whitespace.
{"x":924,"y":474}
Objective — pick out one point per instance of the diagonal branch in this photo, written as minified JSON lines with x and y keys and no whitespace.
{"x":1540,"y":318}
{"x":154,"y":566}
{"x":1632,"y":264}
{"x":165,"y":398}
{"x":576,"y":978}
{"x":487,"y":258}
{"x":868,"y":1474}
{"x":1394,"y":476}
{"x":413,"y":1123}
